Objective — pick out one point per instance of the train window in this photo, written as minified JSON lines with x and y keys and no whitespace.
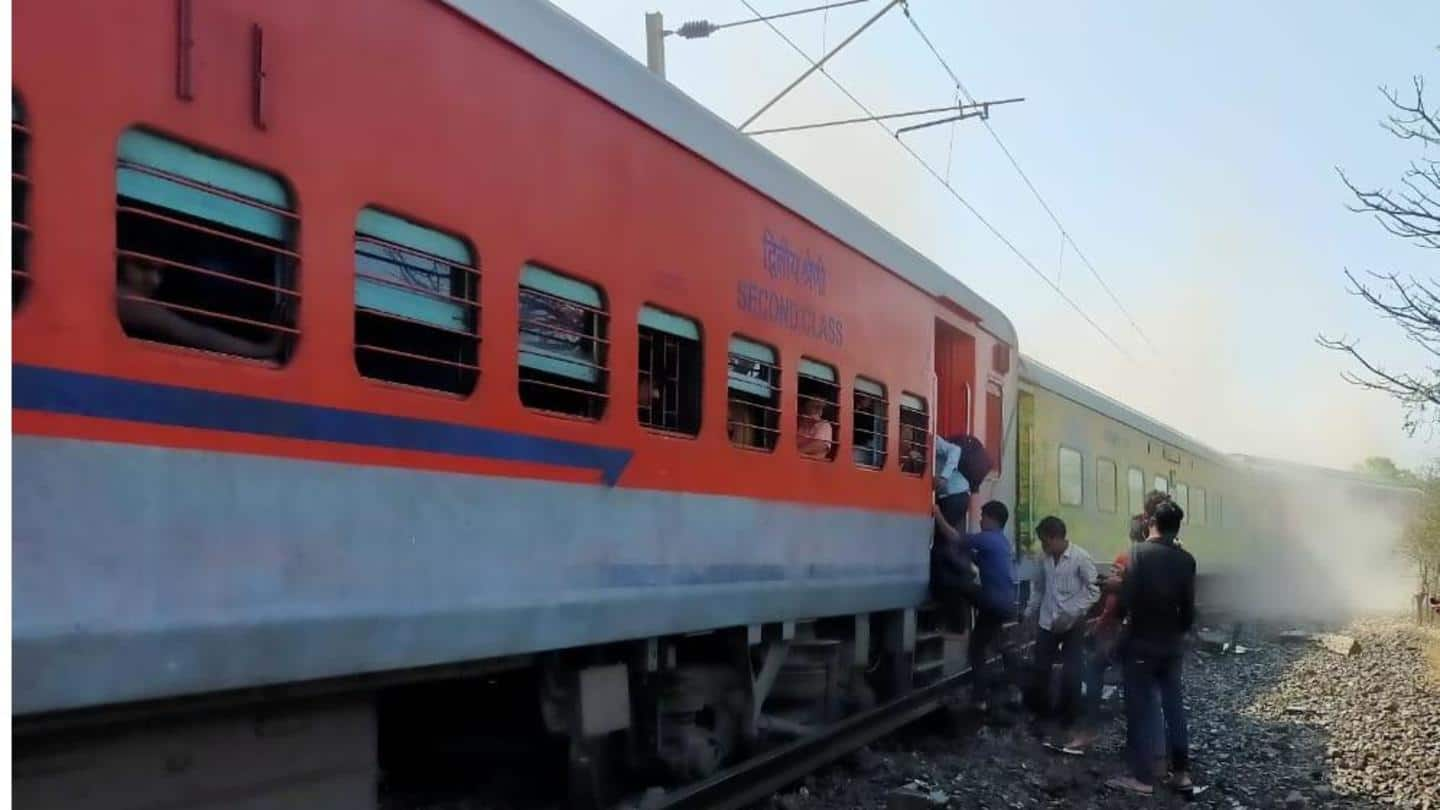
{"x":818,"y":418}
{"x":1072,"y":472}
{"x":1135,"y":483}
{"x":1201,"y":516}
{"x":670,"y":372}
{"x":1105,"y":483}
{"x":19,"y":202}
{"x":1219,"y":510}
{"x":872,"y":424}
{"x":1162,"y":484}
{"x":416,"y":320}
{"x":1182,"y":498}
{"x":204,"y":251}
{"x":563,"y":348}
{"x":995,"y":424}
{"x":914,"y":434}
{"x":753,"y":393}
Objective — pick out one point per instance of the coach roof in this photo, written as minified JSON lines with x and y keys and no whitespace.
{"x":573,"y":50}
{"x":1043,"y":376}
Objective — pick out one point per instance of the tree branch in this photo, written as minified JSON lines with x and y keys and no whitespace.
{"x":1411,"y":213}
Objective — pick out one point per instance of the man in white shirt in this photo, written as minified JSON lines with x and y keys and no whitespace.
{"x":1063,"y":592}
{"x":952,"y":491}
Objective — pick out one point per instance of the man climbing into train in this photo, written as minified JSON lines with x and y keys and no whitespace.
{"x":961,"y":464}
{"x":994,"y":599}
{"x":952,"y":491}
{"x":1066,"y":587}
{"x":1158,"y":600}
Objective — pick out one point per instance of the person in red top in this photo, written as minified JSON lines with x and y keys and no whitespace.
{"x":1104,"y":638}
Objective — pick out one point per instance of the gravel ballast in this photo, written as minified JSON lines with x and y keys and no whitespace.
{"x":1286,"y":725}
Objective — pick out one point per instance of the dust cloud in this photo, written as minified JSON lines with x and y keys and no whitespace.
{"x":1324,"y":548}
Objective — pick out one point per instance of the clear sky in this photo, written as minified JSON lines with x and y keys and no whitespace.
{"x":1189,"y":149}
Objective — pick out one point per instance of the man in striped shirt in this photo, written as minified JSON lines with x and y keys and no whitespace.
{"x":1065,"y":588}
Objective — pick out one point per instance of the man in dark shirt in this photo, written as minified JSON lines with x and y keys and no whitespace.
{"x":995,"y":601}
{"x":1158,"y":598}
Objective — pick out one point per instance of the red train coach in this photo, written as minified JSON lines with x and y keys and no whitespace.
{"x":356,"y":339}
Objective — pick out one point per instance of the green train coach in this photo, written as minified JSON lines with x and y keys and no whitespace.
{"x":1090,"y":461}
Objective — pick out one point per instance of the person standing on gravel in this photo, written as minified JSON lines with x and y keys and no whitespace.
{"x":1066,"y":585}
{"x":1104,"y":639}
{"x":1158,"y":600}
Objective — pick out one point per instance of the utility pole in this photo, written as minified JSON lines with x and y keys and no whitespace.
{"x":655,"y":43}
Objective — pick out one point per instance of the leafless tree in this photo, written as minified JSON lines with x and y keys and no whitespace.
{"x":1411,"y":303}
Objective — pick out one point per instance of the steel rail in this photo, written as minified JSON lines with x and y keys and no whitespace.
{"x":761,"y":776}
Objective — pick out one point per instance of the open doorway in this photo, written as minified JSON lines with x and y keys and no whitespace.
{"x":955,"y":375}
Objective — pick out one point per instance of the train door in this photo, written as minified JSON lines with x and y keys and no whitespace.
{"x":955,"y":380}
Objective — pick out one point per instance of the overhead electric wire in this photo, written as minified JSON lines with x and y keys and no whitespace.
{"x":814,"y":65}
{"x":825,"y":8}
{"x":1015,"y":164}
{"x":946,"y":183}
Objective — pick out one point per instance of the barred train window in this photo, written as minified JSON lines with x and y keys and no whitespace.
{"x":203,"y":251}
{"x":1201,"y":516}
{"x":753,"y":383}
{"x":1135,"y":481}
{"x":914,"y":434}
{"x":416,"y":320}
{"x":669,"y":372}
{"x":1105,"y":481}
{"x":19,"y":202}
{"x":563,"y":347}
{"x":818,"y":420}
{"x":1072,"y":484}
{"x":872,"y":424}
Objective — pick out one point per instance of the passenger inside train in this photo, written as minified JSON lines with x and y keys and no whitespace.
{"x":142,"y":315}
{"x":869,"y":438}
{"x":816,"y":436}
{"x":753,"y":409}
{"x":646,"y":400}
{"x":912,"y":448}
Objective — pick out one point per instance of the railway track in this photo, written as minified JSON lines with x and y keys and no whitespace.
{"x":761,"y":776}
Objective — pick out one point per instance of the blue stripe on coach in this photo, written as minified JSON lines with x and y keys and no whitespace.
{"x":69,"y":392}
